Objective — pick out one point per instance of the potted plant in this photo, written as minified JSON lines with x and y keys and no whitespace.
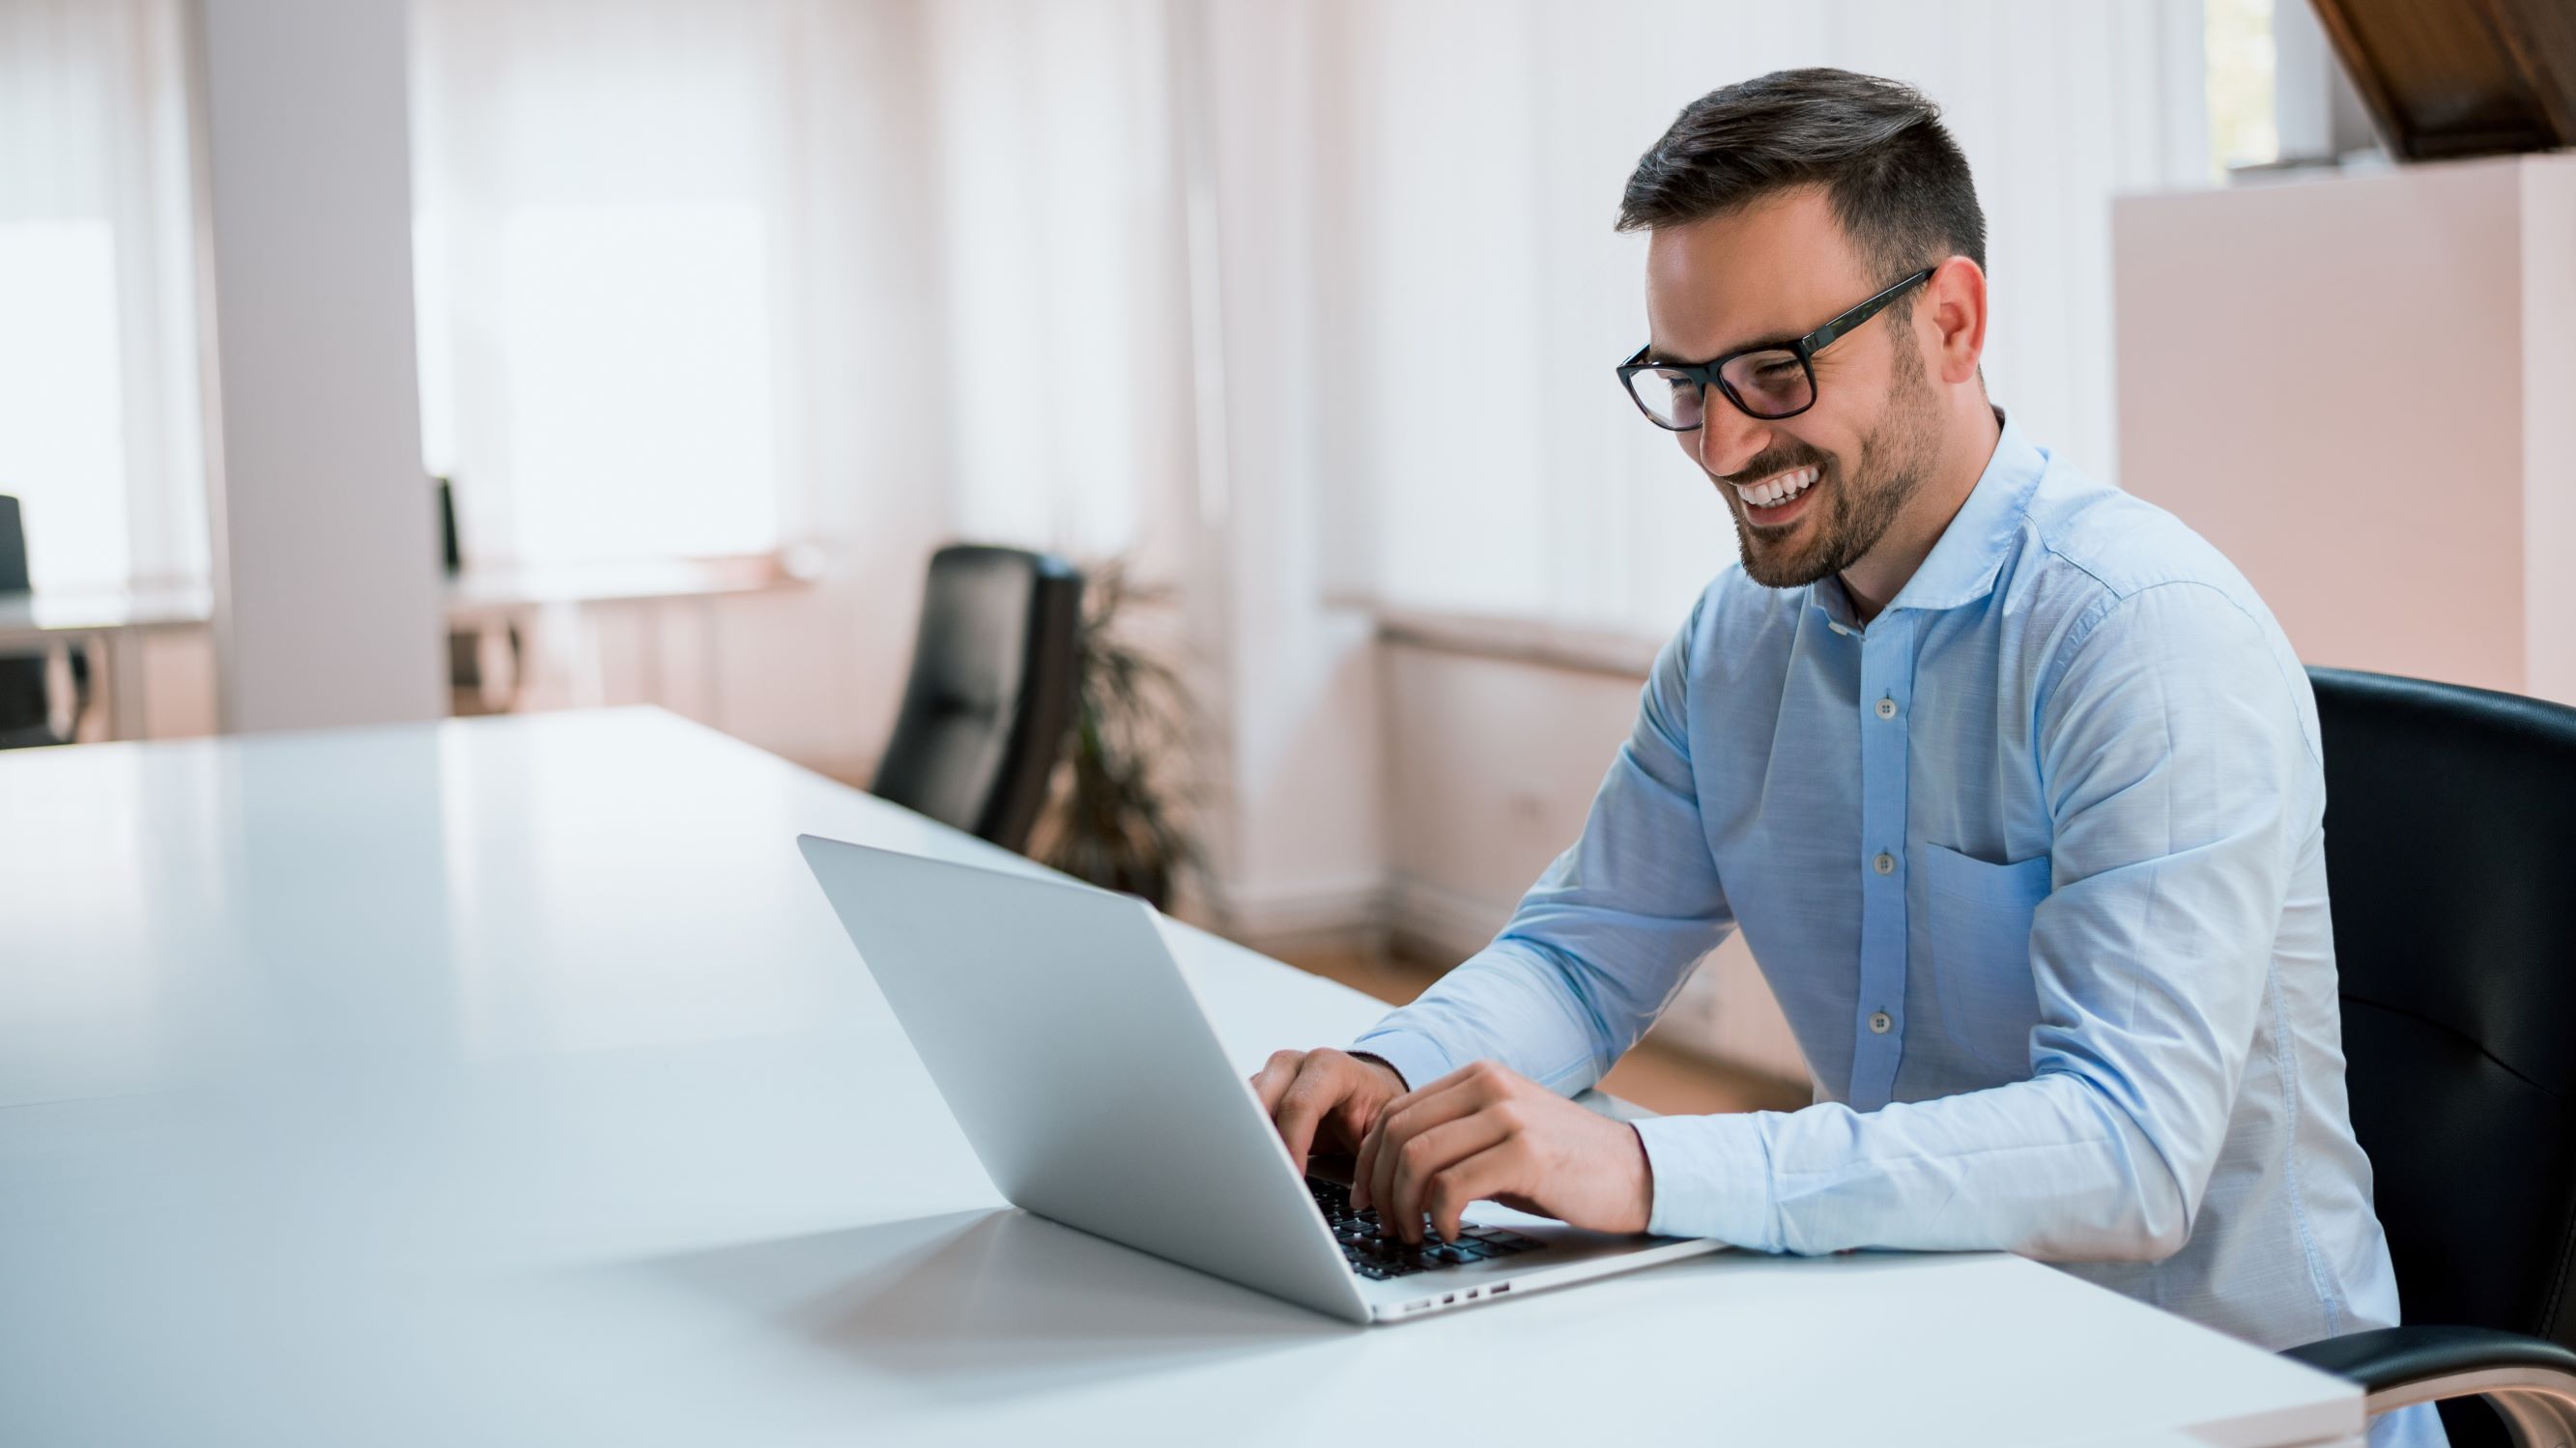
{"x":1117,"y":815}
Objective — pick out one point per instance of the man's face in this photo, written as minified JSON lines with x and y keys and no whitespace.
{"x":1774,"y":271}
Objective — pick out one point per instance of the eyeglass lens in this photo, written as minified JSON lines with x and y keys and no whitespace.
{"x":1769,"y":384}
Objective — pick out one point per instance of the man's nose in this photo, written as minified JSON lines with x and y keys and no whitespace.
{"x":1727,"y":439}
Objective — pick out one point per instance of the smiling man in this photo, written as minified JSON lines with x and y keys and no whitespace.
{"x":2009,"y":779}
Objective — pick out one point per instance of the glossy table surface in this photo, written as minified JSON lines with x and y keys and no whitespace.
{"x":509,"y":1081}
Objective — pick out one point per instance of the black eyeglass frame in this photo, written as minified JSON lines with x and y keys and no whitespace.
{"x":1803,"y":348}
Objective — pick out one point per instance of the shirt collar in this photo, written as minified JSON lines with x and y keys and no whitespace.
{"x":1964,"y":560}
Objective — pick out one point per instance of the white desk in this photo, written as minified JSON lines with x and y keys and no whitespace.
{"x":510,"y":1082}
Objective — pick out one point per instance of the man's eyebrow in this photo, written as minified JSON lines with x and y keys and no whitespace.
{"x":1661,"y":358}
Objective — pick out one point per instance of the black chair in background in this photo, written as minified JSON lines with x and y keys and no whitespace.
{"x":991,"y":693}
{"x":471,"y":689}
{"x":2455,"y":936}
{"x":26,"y":704}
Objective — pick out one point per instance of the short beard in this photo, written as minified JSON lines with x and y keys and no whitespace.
{"x":1860,"y":506}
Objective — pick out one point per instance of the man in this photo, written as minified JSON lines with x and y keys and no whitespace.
{"x":2009,"y":779}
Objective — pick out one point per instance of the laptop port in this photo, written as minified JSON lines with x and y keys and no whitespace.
{"x":1501,"y":1287}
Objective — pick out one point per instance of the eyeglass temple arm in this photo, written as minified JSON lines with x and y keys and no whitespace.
{"x":1826,"y":335}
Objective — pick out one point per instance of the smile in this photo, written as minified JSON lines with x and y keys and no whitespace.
{"x":1778,"y":488}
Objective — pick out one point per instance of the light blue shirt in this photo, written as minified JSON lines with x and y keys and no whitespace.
{"x":2035,"y":864}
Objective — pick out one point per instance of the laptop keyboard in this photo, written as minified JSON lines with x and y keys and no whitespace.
{"x":1380,"y":1258}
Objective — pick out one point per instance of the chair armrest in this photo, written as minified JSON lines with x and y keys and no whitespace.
{"x":2529,"y":1381}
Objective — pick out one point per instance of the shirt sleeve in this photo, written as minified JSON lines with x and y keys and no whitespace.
{"x":2180,"y":783}
{"x":1601,"y":943}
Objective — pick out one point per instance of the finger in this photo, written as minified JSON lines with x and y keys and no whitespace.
{"x":1362,"y":1169}
{"x":1359,"y":1122}
{"x":1351,"y":1120}
{"x":1271,"y":1081}
{"x":1317,"y":1089}
{"x":1432,"y":1152}
{"x":1446,"y":1100}
{"x":1499,"y":1170}
{"x":1364,"y":1191}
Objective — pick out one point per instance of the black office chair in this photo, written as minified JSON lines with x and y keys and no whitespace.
{"x":2455,"y":935}
{"x":991,"y":693}
{"x":26,"y":704}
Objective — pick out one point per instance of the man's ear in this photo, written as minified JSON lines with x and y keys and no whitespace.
{"x":1954,"y":305}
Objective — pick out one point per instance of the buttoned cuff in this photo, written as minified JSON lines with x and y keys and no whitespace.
{"x":1416,"y":1057}
{"x":1712,"y":1178}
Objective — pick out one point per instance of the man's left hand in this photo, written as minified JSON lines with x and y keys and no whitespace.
{"x":1482,"y":1133}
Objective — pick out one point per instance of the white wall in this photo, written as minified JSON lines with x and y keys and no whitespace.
{"x":2548,"y":284}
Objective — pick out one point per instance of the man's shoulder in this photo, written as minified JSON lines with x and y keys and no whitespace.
{"x":2086,"y":547}
{"x":2088,"y":551}
{"x":2120,"y":541}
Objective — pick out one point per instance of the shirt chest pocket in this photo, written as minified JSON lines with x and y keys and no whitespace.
{"x":1976,"y":929}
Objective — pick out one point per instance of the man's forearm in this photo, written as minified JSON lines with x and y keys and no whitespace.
{"x":2047,"y":1168}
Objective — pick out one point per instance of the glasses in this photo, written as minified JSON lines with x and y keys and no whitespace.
{"x":1769,"y":380}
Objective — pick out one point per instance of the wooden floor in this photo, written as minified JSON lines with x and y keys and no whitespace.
{"x":1658,"y":1077}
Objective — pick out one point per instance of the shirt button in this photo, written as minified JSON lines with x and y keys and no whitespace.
{"x":1879,"y":1022}
{"x":1885,"y":864}
{"x":1887,"y":708}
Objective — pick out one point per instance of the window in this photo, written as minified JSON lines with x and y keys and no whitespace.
{"x":605,"y":226}
{"x":99,"y":422}
{"x":2242,"y":65}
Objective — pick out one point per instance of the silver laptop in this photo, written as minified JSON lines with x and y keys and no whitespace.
{"x":1055,"y":1021}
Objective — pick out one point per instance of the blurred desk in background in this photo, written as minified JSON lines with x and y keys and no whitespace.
{"x":490,"y":612}
{"x":102,"y":625}
{"x":486,"y":608}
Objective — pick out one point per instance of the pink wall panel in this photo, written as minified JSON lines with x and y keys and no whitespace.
{"x":2326,"y":380}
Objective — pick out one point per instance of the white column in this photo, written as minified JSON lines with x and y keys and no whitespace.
{"x":327,"y":592}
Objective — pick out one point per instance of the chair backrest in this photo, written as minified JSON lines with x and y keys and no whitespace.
{"x":23,"y":711}
{"x":13,"y":547}
{"x":991,"y":693}
{"x":2455,"y":936}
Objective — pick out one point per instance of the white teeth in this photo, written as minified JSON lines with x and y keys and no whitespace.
{"x":1779,"y":488}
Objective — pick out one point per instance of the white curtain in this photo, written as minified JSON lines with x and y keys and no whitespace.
{"x":99,"y":404}
{"x":1061,"y":237}
{"x":607,"y":216}
{"x":1489,"y":462}
{"x":662,"y":264}
{"x":661,"y":255}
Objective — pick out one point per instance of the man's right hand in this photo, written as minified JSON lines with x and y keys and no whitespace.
{"x":1324,"y":1100}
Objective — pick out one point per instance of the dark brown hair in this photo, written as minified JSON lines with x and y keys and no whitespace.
{"x":1897,"y":182}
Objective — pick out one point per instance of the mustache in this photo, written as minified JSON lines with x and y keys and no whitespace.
{"x":1776,"y":460}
